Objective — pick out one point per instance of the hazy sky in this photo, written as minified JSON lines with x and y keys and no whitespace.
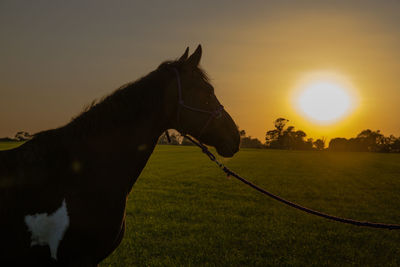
{"x":57,"y":56}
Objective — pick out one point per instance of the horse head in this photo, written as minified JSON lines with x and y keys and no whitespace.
{"x":196,"y":110}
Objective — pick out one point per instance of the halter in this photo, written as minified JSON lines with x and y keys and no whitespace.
{"x":217,"y":113}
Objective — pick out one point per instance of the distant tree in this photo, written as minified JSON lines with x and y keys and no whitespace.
{"x":287,"y":138}
{"x":298,"y":141}
{"x":370,"y":140}
{"x":338,"y":144}
{"x":396,"y":145}
{"x":273,"y":138}
{"x":249,"y":142}
{"x":319,"y":144}
{"x":308,"y":145}
{"x":22,"y":136}
{"x":280,"y":124}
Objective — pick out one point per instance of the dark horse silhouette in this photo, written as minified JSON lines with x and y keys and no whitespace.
{"x":63,"y":193}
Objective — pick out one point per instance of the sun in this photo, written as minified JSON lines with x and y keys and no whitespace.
{"x":324,"y":97}
{"x":324,"y":102}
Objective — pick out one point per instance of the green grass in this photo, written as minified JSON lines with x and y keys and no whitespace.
{"x":9,"y":145}
{"x":183,"y":211}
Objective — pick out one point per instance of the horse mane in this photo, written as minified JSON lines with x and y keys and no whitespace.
{"x":145,"y":92}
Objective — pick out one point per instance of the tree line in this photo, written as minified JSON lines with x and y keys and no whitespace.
{"x":18,"y":137}
{"x":367,"y":141}
{"x":287,"y":137}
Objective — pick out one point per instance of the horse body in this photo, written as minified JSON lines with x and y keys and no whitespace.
{"x":63,"y":193}
{"x":52,"y":167}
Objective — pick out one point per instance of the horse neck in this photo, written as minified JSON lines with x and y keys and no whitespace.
{"x":134,"y":110}
{"x":117,"y":136}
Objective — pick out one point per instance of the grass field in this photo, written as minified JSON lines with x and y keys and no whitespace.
{"x":184,"y":212}
{"x":9,"y":145}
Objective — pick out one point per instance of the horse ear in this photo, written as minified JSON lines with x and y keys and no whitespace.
{"x":185,"y":55}
{"x":194,"y":59}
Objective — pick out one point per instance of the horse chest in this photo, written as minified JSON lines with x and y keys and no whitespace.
{"x":76,"y":226}
{"x":48,"y":229}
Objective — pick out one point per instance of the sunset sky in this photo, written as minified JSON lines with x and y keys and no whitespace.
{"x":57,"y":56}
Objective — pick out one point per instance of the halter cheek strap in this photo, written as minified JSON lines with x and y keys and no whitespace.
{"x":213,"y":114}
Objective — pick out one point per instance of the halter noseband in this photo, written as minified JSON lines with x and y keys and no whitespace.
{"x":213,"y":114}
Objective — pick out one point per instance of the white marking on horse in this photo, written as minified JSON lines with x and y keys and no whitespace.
{"x":48,"y":229}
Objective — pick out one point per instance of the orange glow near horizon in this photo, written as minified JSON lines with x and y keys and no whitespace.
{"x":323,"y":103}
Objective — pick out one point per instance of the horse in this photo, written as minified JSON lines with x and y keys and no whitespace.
{"x":63,"y":193}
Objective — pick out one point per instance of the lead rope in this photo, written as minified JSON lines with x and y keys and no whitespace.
{"x":229,"y":173}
